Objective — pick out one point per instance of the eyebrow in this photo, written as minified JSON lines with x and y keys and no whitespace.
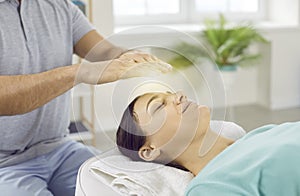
{"x":151,"y":99}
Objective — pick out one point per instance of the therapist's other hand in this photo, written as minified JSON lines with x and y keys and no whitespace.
{"x":128,"y":65}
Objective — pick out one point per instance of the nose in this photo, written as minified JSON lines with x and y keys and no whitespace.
{"x":180,"y":97}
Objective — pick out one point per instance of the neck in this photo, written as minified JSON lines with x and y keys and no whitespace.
{"x":211,"y":145}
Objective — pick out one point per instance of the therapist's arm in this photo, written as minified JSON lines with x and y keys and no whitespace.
{"x":20,"y":94}
{"x":93,"y":47}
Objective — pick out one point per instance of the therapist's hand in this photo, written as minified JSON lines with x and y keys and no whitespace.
{"x":129,"y":64}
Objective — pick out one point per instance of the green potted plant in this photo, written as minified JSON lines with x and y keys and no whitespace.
{"x":226,"y":46}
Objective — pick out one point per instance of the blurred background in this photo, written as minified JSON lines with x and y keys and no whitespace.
{"x":265,"y":91}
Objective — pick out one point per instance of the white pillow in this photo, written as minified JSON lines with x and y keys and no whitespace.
{"x":228,"y":130}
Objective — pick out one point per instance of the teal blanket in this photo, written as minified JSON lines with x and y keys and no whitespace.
{"x":266,"y":161}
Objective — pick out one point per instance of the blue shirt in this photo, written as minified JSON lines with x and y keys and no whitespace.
{"x":35,"y":37}
{"x":264,"y":162}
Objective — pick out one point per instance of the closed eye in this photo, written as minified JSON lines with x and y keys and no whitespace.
{"x":181,"y":97}
{"x":160,"y":106}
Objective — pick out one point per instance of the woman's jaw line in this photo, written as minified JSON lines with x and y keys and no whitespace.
{"x":189,"y":157}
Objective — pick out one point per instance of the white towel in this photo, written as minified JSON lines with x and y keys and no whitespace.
{"x":133,"y":178}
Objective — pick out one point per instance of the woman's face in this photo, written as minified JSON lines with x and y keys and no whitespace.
{"x":169,"y":118}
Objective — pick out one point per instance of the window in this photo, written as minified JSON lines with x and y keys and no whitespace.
{"x":147,"y":11}
{"x":233,"y":9}
{"x":128,"y":12}
{"x":246,"y":6}
{"x":146,"y":7}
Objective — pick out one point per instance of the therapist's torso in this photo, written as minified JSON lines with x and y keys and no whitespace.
{"x":35,"y":37}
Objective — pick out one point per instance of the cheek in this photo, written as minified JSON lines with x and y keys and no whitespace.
{"x":161,"y":120}
{"x":172,"y":123}
{"x":171,"y":126}
{"x":164,"y":127}
{"x":176,"y":136}
{"x":167,"y":132}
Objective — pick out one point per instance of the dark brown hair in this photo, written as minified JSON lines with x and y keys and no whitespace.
{"x":130,"y":138}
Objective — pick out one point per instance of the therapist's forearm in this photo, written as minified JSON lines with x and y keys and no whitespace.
{"x":93,"y":47}
{"x":23,"y":93}
{"x":104,"y":51}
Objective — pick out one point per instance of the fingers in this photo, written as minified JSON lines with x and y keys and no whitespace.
{"x":150,"y":69}
{"x":154,"y":58}
{"x":163,"y":67}
{"x":139,"y":64}
{"x":138,"y":57}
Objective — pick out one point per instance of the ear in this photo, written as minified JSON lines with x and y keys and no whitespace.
{"x":149,"y":153}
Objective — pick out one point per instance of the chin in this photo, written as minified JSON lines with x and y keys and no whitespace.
{"x":198,"y":112}
{"x":204,"y":110}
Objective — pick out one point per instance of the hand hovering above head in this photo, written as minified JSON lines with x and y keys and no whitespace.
{"x":130,"y":64}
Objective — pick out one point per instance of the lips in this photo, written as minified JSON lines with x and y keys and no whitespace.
{"x":185,"y":106}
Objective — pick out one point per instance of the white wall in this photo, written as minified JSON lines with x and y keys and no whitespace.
{"x":284,"y":12}
{"x":264,"y":77}
{"x":103,"y":16}
{"x":284,"y":69}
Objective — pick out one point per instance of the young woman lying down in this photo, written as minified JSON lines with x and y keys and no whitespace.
{"x":168,"y":129}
